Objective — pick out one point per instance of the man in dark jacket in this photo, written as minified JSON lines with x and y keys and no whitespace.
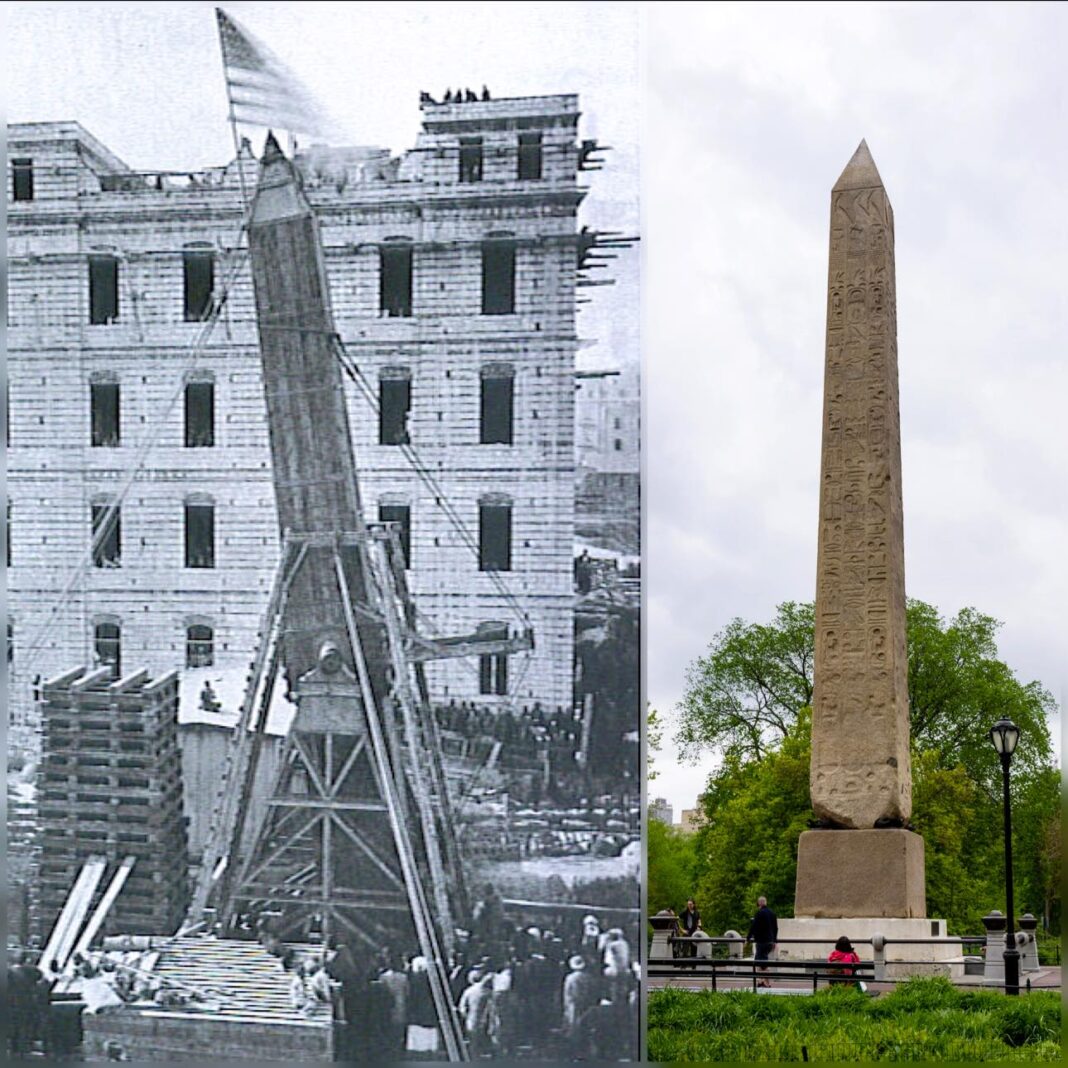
{"x":763,"y":933}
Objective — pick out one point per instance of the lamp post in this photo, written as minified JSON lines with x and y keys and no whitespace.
{"x":1004,"y":735}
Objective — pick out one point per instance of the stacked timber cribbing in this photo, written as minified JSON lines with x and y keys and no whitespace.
{"x":110,"y":784}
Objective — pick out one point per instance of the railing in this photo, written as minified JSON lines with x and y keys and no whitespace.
{"x":733,"y":968}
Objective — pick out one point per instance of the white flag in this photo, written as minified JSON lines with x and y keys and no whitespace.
{"x":263,"y":91}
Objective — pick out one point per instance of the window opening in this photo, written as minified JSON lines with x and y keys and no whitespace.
{"x":200,"y":535}
{"x":104,"y":419}
{"x":395,"y":280}
{"x":470,"y":159}
{"x":496,"y":409}
{"x":22,"y":179}
{"x":493,"y":667}
{"x":529,"y":157}
{"x":103,"y":290}
{"x":394,"y":407}
{"x":199,"y":415}
{"x":107,"y":641}
{"x":402,"y":514}
{"x":498,"y":277}
{"x":198,"y":271}
{"x":199,"y":645}
{"x":107,"y":541}
{"x":494,"y":537}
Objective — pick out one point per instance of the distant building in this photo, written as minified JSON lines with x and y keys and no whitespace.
{"x":690,"y":820}
{"x":608,"y":434}
{"x":659,"y":809}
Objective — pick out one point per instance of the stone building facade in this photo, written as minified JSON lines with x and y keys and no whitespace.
{"x":452,"y":271}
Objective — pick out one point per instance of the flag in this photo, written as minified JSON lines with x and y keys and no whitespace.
{"x":263,"y":91}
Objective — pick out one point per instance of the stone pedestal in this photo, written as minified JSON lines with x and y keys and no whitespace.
{"x":664,"y":925}
{"x":902,"y":959}
{"x":860,"y":873}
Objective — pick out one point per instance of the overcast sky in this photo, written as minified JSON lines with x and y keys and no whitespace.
{"x":751,"y":116}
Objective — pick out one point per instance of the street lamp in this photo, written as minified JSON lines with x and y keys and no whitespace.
{"x":1004,"y":735}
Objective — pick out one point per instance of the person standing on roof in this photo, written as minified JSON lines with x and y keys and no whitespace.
{"x":764,"y":934}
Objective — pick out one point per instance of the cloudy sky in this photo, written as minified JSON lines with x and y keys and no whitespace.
{"x":751,"y":114}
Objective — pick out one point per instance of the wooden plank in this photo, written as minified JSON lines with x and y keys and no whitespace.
{"x":72,"y":915}
{"x":104,"y":907}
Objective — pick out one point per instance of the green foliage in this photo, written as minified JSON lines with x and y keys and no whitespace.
{"x":654,"y":739}
{"x":747,"y":699}
{"x":755,"y":813}
{"x":744,"y":695}
{"x":670,"y":869}
{"x":922,"y":1020}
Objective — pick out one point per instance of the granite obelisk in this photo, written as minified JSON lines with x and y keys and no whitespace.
{"x":860,"y":776}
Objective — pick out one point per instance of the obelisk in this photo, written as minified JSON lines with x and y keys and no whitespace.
{"x":862,"y":861}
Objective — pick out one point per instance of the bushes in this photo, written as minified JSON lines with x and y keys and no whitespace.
{"x":922,"y":1020}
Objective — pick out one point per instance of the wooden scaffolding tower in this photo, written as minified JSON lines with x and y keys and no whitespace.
{"x":357,"y":833}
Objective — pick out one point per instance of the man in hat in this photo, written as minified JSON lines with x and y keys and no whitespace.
{"x":581,"y":994}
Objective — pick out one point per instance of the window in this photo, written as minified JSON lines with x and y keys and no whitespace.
{"x":199,"y":534}
{"x":493,"y":668}
{"x":496,"y":405}
{"x":199,"y":415}
{"x":402,"y":514}
{"x":104,"y":423}
{"x":498,"y":277}
{"x":198,"y":271}
{"x":107,"y":535}
{"x":107,"y":643}
{"x":395,"y":279}
{"x":199,"y":645}
{"x":529,"y":157}
{"x":394,"y":405}
{"x":494,"y":534}
{"x":10,"y":642}
{"x":7,"y":534}
{"x":470,"y":159}
{"x":22,"y":179}
{"x":103,"y":290}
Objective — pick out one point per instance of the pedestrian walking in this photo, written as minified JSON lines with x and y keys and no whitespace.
{"x":689,"y":921}
{"x":764,"y":934}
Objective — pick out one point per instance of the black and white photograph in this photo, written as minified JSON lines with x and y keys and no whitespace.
{"x":323,"y":538}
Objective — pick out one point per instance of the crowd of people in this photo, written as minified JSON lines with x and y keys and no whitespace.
{"x":519,"y":992}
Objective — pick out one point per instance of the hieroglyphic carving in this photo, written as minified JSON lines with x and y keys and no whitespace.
{"x":860,"y":731}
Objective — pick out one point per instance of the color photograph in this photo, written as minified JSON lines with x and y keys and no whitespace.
{"x":854,"y":339}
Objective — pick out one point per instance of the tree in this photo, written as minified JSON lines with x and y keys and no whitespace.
{"x":670,"y":869}
{"x":746,"y":699}
{"x":754,"y":812}
{"x":654,"y":739}
{"x":744,"y":695}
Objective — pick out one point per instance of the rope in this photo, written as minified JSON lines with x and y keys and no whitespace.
{"x":441,"y":498}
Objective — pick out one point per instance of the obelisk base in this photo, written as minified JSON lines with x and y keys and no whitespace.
{"x":860,"y":873}
{"x":912,"y":947}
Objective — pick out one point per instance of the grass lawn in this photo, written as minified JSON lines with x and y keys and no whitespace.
{"x":922,"y":1020}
